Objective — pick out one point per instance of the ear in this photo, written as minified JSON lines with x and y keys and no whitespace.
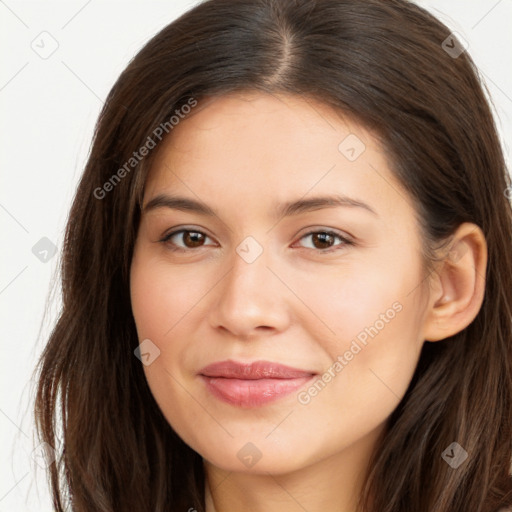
{"x":458,"y":285}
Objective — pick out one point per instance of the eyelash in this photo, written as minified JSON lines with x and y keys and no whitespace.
{"x":345,"y":241}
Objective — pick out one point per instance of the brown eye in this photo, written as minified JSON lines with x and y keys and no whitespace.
{"x":193,"y":238}
{"x":324,"y":241}
{"x":189,"y":238}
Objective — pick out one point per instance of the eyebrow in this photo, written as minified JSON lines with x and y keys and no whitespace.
{"x":287,"y":209}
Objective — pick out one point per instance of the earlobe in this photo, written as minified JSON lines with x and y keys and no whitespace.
{"x":458,"y":286}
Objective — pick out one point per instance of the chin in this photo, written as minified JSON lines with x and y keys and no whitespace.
{"x":256,"y":456}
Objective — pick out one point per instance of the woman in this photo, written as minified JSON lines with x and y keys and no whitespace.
{"x":287,"y":273}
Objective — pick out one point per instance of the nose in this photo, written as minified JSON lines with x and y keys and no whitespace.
{"x":251,"y":299}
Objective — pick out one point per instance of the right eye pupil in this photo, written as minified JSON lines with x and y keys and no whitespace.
{"x":194,"y":237}
{"x":323,"y":238}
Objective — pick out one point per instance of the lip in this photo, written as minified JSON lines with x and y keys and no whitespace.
{"x":252,"y":384}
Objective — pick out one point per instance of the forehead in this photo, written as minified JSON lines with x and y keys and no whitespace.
{"x":241,"y":116}
{"x":249,"y":145}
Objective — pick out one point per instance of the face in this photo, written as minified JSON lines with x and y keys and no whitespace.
{"x":331,"y":290}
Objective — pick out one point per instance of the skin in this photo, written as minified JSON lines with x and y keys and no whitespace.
{"x":295,"y":304}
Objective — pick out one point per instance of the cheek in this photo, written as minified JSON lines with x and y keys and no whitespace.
{"x":164,"y":301}
{"x":160,"y":301}
{"x":373,"y":359}
{"x":348,"y":304}
{"x":357,"y":395}
{"x":370,"y":325}
{"x":162,"y":296}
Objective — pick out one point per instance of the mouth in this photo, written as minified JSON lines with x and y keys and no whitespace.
{"x":254,"y":384}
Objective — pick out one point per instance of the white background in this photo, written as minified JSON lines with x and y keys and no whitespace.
{"x":49,"y":107}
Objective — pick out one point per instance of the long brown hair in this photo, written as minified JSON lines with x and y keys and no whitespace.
{"x":389,"y":65}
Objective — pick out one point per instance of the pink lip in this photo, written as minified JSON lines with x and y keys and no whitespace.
{"x":252,"y":385}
